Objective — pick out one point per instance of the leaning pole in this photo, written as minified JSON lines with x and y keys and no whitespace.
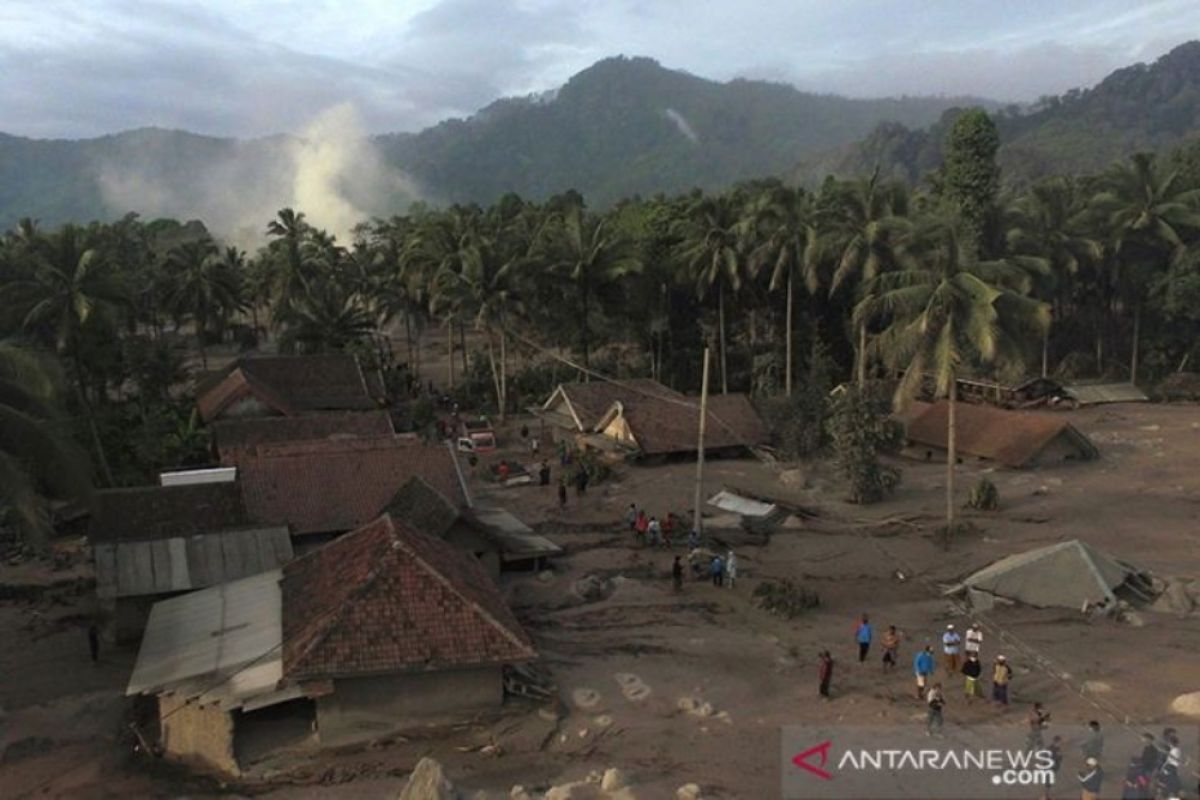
{"x":697,"y":525}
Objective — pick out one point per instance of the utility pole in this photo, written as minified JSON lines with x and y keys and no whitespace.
{"x":697,"y":525}
{"x":450,"y":348}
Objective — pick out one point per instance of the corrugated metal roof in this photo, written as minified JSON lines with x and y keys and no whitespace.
{"x":515,"y":538}
{"x":1095,"y":393}
{"x":178,"y":564}
{"x":746,"y":507}
{"x":221,"y":644}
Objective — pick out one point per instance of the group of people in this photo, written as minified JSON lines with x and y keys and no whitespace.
{"x":648,"y":529}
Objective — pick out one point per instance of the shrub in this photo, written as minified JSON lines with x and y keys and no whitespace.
{"x":784,"y":598}
{"x":984,"y":495}
{"x":861,"y":429}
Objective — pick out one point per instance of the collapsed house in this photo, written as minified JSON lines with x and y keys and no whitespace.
{"x":1090,"y":393}
{"x":326,"y":487}
{"x":235,"y":439}
{"x":577,"y":408}
{"x":153,"y":542}
{"x":378,"y":631}
{"x":1070,"y":574}
{"x":1013,"y":438}
{"x":495,"y":537}
{"x":277,"y":385}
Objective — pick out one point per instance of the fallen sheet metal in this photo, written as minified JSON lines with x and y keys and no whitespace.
{"x":744,"y":506}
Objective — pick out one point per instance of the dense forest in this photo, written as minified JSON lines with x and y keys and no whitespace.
{"x":794,"y":291}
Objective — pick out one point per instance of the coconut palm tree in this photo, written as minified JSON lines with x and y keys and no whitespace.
{"x":870,"y":219}
{"x":328,"y":318}
{"x":1146,"y":210}
{"x":791,"y":248}
{"x":589,"y":254}
{"x":1045,"y":228}
{"x":713,"y":250}
{"x":204,"y":285}
{"x":945,"y":312}
{"x":38,"y":458}
{"x":291,"y":260}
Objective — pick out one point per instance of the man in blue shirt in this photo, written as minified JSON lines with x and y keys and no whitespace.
{"x":923,"y":668}
{"x":862,"y":635}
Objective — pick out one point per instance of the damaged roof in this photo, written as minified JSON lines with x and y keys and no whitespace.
{"x":231,"y":434}
{"x":162,"y":512}
{"x":385,"y":599}
{"x":1065,"y":575}
{"x":662,"y":426}
{"x":1014,"y":438}
{"x":586,"y":403}
{"x":292,"y":385}
{"x":336,"y":485}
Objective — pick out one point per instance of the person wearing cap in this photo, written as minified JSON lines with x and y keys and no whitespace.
{"x":1090,"y":778}
{"x":971,"y":671}
{"x":1001,"y":676}
{"x":973,"y":641}
{"x":951,"y":645}
{"x":1093,"y":745}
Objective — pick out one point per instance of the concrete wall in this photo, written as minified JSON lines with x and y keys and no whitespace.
{"x":365,"y":708}
{"x":197,"y":736}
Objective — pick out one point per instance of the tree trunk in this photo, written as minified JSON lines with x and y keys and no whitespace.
{"x":721,"y":334}
{"x":491,"y":351}
{"x":862,"y":355}
{"x":450,"y":350}
{"x":1046,"y":353}
{"x":787,"y":366}
{"x":1137,"y":335}
{"x":462,"y":342}
{"x":408,"y":343}
{"x":951,"y":458}
{"x":1099,"y":351}
{"x":583,"y":322}
{"x":503,"y":377}
{"x":101,"y":457}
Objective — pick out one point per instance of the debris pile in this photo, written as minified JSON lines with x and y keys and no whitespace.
{"x":785,"y":598}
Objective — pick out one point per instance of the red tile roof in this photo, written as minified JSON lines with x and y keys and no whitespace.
{"x":292,"y":385}
{"x":232,"y":435}
{"x":334,"y":485}
{"x":386,"y":599}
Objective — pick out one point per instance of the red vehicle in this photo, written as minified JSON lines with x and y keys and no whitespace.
{"x":476,"y":436}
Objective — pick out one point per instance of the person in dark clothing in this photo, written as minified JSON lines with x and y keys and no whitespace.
{"x":94,"y":642}
{"x":825,"y":673}
{"x":677,"y":574}
{"x":1093,"y":745}
{"x":581,"y":480}
{"x":1150,"y":756}
{"x":971,"y":670}
{"x":1136,"y":787}
{"x":544,"y":473}
{"x":1056,"y":759}
{"x":1090,"y":779}
{"x":1038,"y":719}
{"x":716,"y":568}
{"x":562,"y":493}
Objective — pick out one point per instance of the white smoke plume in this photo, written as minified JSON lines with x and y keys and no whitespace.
{"x":682,"y":124}
{"x":332,"y":172}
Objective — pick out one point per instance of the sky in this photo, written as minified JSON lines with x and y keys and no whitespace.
{"x":78,"y":68}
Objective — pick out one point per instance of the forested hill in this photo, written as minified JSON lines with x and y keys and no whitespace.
{"x":1152,"y":107}
{"x":622,"y":126}
{"x":628,"y":125}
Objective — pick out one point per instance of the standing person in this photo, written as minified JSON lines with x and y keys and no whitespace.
{"x":93,"y":634}
{"x":677,"y":575}
{"x":502,"y":471}
{"x":717,"y":569}
{"x":971,"y":670}
{"x":825,"y":673}
{"x":974,"y":640}
{"x":534,"y":444}
{"x":668,"y":528}
{"x":731,"y":567}
{"x":1093,"y":745}
{"x":1001,"y":677}
{"x":562,"y":492}
{"x":890,"y":641}
{"x":631,"y":517}
{"x":862,"y":636}
{"x":1090,"y":779}
{"x":936,"y":701}
{"x":1149,"y":758}
{"x":922,"y":669}
{"x":581,"y":480}
{"x":693,"y":540}
{"x":1037,"y":720}
{"x":640,"y":526}
{"x":1056,"y":759}
{"x":1136,"y":787}
{"x":654,"y":530}
{"x":951,"y":645}
{"x":544,"y":473}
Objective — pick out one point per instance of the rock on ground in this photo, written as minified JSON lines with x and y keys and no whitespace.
{"x":428,"y":782}
{"x":689,"y":791}
{"x":613,"y":780}
{"x":1187,"y":704}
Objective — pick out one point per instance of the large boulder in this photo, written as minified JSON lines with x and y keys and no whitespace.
{"x":1187,"y":705}
{"x":429,"y":782}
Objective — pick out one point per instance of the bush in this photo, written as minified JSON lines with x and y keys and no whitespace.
{"x":984,"y":495}
{"x":784,"y":598}
{"x":861,"y":429}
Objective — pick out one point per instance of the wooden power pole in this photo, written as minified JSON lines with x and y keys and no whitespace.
{"x":697,"y":525}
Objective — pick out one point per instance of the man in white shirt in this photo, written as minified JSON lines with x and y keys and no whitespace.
{"x":974,"y":640}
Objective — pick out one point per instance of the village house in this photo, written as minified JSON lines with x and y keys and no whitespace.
{"x":575,"y":409}
{"x":322,"y":488}
{"x":378,"y":631}
{"x":664,"y":426}
{"x":494,"y":536}
{"x":1013,"y":438}
{"x":279,"y":385}
{"x":234,"y":440}
{"x":153,"y":542}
